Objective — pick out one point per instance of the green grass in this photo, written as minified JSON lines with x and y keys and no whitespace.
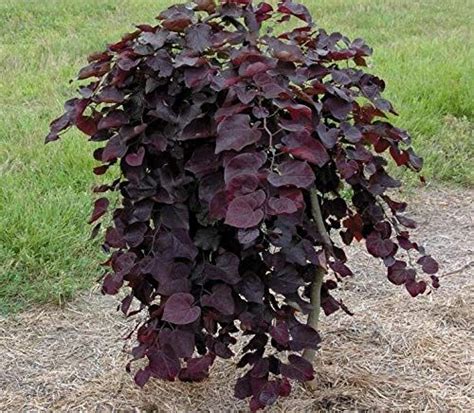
{"x":423,"y":49}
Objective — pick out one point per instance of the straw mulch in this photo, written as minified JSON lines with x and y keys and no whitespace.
{"x":395,"y":353}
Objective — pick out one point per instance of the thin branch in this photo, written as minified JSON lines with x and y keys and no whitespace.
{"x":319,"y":221}
{"x":270,"y":142}
{"x":210,"y":17}
{"x":464,"y":267}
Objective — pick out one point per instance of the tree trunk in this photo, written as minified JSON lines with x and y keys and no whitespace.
{"x":315,"y":295}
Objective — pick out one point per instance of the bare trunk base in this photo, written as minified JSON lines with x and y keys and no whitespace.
{"x":313,"y":317}
{"x":315,"y":295}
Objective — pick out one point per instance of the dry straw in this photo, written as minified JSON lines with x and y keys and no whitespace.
{"x":395,"y":354}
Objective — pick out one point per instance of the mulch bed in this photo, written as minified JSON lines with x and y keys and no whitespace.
{"x":395,"y":353}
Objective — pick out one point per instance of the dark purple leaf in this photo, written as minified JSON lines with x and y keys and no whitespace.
{"x":111,"y":94}
{"x":281,"y":206}
{"x":202,"y":161}
{"x":198,"y":37}
{"x":304,"y":337}
{"x":297,"y":369}
{"x":378,"y":246}
{"x":182,"y":341}
{"x":428,"y":265}
{"x":95,"y":69}
{"x":339,"y":108}
{"x":285,"y":52}
{"x":280,"y":333}
{"x":100,"y":208}
{"x":286,"y":281}
{"x":252,"y":288}
{"x":246,"y":236}
{"x":196,"y":77}
{"x":112,"y":284}
{"x":157,"y":40}
{"x":136,"y":158}
{"x":243,"y":388}
{"x":340,"y":268}
{"x":221,"y":299}
{"x":142,"y":376}
{"x":351,"y":133}
{"x":200,"y":128}
{"x":269,"y":393}
{"x":328,"y":136}
{"x":135,"y":233}
{"x":164,"y":364}
{"x":113,"y":120}
{"x":406,"y":222}
{"x":176,"y":18}
{"x":235,"y":133}
{"x":398,"y":273}
{"x":197,"y":369}
{"x":179,"y":309}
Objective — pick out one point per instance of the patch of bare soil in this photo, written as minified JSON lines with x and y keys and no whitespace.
{"x":395,"y":353}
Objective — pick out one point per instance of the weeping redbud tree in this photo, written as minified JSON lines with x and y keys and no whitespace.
{"x":244,"y":161}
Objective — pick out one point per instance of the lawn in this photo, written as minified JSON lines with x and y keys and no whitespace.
{"x":423,"y":49}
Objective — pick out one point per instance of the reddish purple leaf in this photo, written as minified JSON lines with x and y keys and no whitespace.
{"x":415,"y":288}
{"x":292,"y":173}
{"x":398,"y":273}
{"x":244,"y":164}
{"x":303,"y":146}
{"x":245,"y":212}
{"x":295,"y":9}
{"x":95,"y":69}
{"x":281,"y":206}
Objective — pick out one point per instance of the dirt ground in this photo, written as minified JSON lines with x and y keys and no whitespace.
{"x":395,"y":353}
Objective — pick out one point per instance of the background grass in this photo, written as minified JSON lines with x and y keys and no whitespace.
{"x":424,"y":50}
